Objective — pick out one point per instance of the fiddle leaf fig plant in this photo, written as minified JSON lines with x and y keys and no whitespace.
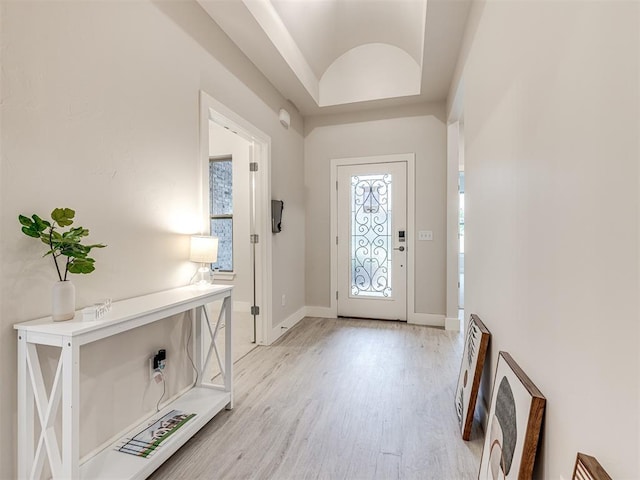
{"x":62,"y":243}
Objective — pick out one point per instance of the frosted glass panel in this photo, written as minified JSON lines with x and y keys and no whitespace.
{"x":223,"y":229}
{"x":221,"y":204}
{"x":371,"y":236}
{"x":221,"y":187}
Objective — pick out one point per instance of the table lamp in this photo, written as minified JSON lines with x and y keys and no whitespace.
{"x":204,"y":250}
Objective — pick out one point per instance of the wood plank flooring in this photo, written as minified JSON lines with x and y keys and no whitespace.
{"x":339,"y":399}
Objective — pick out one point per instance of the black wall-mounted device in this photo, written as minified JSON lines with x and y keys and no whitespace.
{"x":276,"y":215}
{"x":159,"y":358}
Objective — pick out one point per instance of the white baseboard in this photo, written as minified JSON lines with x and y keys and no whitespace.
{"x":452,"y":324}
{"x":428,"y":319}
{"x":321,"y":312}
{"x":289,"y":322}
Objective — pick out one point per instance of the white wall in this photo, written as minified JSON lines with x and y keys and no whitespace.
{"x":551,"y":110}
{"x":100,"y":113}
{"x":223,"y":142}
{"x":420,"y":130}
{"x":289,"y":247}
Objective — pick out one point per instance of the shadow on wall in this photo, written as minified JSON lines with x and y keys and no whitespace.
{"x":435,"y":109}
{"x":197,"y":24}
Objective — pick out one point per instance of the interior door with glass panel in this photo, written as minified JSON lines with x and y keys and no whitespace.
{"x":372,"y":241}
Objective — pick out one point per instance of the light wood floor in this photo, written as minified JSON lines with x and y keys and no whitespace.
{"x":339,"y":399}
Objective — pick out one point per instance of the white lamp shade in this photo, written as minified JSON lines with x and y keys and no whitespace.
{"x":204,"y":249}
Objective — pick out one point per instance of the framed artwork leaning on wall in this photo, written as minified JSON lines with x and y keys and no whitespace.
{"x":513,"y":425}
{"x":588,"y":468}
{"x":476,"y":341}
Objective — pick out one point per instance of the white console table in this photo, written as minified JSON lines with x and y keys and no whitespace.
{"x":34,"y":402}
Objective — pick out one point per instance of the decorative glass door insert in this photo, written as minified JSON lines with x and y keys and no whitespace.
{"x":371,"y":240}
{"x":371,"y":235}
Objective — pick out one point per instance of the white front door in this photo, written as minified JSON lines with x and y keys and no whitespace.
{"x":372,"y":240}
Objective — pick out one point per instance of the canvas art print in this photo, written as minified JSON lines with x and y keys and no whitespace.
{"x":513,"y":426}
{"x":588,"y":468}
{"x":475,"y":351}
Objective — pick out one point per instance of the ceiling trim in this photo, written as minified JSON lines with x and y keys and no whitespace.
{"x":273,"y":26}
{"x":261,"y":34}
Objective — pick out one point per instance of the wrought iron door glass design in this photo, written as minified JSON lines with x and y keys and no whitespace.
{"x":371,"y":235}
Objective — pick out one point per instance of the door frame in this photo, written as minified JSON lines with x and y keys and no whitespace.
{"x":212,"y":109}
{"x":409,"y":159}
{"x":455,"y":161}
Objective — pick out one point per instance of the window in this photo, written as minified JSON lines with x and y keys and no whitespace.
{"x":371,"y":236}
{"x":221,"y":210}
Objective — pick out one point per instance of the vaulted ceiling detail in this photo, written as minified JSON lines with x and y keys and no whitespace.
{"x":345,"y":55}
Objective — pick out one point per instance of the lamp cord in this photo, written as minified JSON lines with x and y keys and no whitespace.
{"x":164,"y":390}
{"x":164,"y":384}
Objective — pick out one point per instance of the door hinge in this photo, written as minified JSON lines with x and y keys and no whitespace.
{"x":336,"y":239}
{"x":254,"y":238}
{"x":253,"y":167}
{"x":255,"y":310}
{"x":336,"y":185}
{"x":336,"y":294}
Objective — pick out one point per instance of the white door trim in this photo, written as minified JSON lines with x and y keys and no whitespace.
{"x":409,"y":159}
{"x":455,"y":156}
{"x":212,"y":109}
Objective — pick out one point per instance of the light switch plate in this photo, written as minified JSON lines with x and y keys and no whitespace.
{"x":425,"y":235}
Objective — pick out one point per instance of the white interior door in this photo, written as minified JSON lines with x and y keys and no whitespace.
{"x":372,"y":240}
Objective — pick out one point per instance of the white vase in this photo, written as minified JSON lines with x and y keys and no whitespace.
{"x":63,"y":301}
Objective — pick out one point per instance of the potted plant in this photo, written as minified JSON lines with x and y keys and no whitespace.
{"x":67,"y":244}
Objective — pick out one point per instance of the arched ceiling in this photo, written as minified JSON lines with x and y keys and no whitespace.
{"x":327,"y":56}
{"x":326,"y":29}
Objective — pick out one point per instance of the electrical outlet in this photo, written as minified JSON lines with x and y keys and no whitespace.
{"x":158,"y":363}
{"x":160,"y":359}
{"x":284,"y":300}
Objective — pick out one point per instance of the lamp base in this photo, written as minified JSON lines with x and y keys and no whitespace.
{"x":203,"y":277}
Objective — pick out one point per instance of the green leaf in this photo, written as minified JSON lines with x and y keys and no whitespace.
{"x":40,"y":224}
{"x":44,"y":239}
{"x":63,"y":216}
{"x":29,"y":226}
{"x":81,"y":265}
{"x":79,"y":231}
{"x":31,"y":232}
{"x":73,"y":253}
{"x":26,"y":221}
{"x":62,"y":244}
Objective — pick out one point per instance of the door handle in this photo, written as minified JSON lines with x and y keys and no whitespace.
{"x":401,"y":248}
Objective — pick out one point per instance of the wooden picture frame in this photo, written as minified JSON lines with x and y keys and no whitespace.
{"x":473,"y":357}
{"x":513,"y":426}
{"x":588,"y":468}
